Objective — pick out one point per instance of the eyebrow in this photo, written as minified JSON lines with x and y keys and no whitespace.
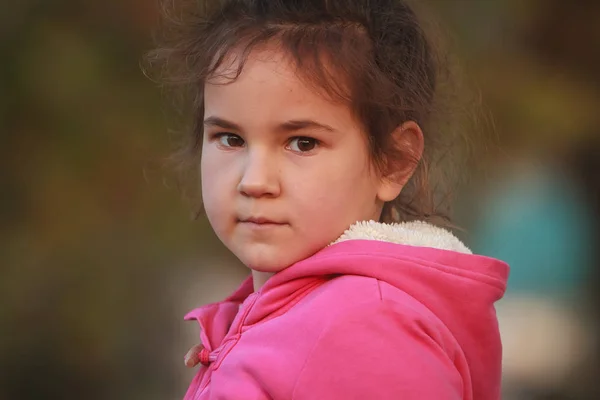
{"x":221,"y":123}
{"x":288,"y":126}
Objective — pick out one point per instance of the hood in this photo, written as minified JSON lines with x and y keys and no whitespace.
{"x":415,"y":233}
{"x":426,"y":262}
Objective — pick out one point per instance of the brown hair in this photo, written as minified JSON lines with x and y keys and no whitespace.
{"x":391,"y":73}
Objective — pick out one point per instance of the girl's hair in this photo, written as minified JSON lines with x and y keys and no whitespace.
{"x":372,"y":55}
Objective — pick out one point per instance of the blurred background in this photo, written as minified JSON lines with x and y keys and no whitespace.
{"x":99,"y":257}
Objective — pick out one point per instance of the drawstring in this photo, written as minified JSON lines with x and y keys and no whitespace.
{"x":206,"y":357}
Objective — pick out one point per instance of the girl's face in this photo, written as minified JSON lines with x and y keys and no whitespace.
{"x":284,"y":170}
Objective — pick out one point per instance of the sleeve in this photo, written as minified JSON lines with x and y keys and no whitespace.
{"x":382,"y":351}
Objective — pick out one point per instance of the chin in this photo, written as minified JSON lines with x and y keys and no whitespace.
{"x":272,"y":263}
{"x":266,"y":265}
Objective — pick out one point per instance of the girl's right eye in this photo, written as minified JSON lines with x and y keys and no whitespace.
{"x":229,"y":140}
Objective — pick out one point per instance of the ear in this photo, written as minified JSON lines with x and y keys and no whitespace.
{"x":408,"y":139}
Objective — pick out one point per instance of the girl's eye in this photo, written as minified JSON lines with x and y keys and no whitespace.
{"x":230,"y":140}
{"x":303,"y":144}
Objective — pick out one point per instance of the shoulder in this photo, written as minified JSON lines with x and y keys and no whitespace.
{"x":348,"y":295}
{"x":355,"y":306}
{"x":390,"y":338}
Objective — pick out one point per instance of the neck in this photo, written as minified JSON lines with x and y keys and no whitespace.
{"x":259,"y":278}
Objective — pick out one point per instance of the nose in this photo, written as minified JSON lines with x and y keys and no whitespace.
{"x":260,"y":176}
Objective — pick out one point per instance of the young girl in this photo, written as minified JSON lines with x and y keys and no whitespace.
{"x":311,"y":118}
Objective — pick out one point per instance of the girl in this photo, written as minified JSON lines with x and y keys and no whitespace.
{"x":311,"y":118}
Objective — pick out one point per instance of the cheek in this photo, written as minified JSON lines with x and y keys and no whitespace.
{"x":349,"y":189}
{"x":206,"y":178}
{"x":351,"y":174}
{"x":343,"y":184}
{"x":214,"y":183}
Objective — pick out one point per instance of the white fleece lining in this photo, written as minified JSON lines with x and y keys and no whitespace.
{"x":414,"y":233}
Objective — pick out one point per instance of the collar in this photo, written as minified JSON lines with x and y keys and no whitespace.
{"x":414,"y":233}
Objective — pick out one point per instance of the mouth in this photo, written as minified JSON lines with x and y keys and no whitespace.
{"x":260,"y":221}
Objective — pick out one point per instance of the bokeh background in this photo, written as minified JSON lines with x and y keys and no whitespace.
{"x":99,"y":256}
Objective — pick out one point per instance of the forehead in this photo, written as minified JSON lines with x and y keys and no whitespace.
{"x":238,"y":60}
{"x":265,"y":79}
{"x":269,"y":85}
{"x":271,"y":60}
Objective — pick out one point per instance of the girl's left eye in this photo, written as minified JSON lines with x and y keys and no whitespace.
{"x":303,"y":144}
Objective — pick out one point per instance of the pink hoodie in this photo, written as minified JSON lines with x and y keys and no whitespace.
{"x":387,"y":312}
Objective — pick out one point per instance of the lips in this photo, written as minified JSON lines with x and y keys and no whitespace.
{"x":260,"y":221}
